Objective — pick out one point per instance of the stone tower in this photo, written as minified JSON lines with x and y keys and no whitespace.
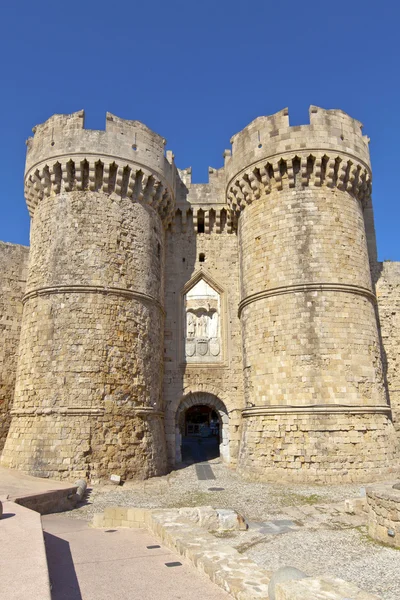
{"x":156,"y":308}
{"x":316,"y":405}
{"x":88,"y":394}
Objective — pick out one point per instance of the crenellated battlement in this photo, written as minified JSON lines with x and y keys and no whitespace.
{"x":202,"y":206}
{"x":126,"y":158}
{"x":303,"y":169}
{"x":330,"y":133}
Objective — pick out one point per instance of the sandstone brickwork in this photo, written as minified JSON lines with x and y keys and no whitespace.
{"x":217,"y":247}
{"x":388,"y":293}
{"x":148,"y":295}
{"x":310,"y":338}
{"x":89,"y":397}
{"x":13,"y":269}
{"x":383,"y":503}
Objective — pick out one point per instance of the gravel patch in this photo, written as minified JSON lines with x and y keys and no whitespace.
{"x":323,"y":541}
{"x":256,"y":501}
{"x":347,"y":554}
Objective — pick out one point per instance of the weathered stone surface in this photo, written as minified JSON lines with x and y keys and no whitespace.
{"x":224,"y":565}
{"x":387,"y":277}
{"x":383,"y":503}
{"x":283,"y":575}
{"x":322,"y":588}
{"x":222,"y":519}
{"x":13,"y":273}
{"x":252,"y":294}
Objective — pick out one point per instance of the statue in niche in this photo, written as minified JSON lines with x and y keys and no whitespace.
{"x":202,"y":336}
{"x":202,"y":326}
{"x":191,"y":325}
{"x":213,"y":325}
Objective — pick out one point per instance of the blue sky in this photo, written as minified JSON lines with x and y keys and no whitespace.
{"x":198,"y":72}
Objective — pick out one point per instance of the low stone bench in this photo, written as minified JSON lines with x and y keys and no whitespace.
{"x":384,"y":514}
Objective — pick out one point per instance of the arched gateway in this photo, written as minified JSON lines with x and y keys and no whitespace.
{"x":203,"y":416}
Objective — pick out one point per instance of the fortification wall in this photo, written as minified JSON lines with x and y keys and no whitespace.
{"x":89,"y":387}
{"x":312,"y":360}
{"x":212,"y":254}
{"x":388,"y":294}
{"x":13,"y":269}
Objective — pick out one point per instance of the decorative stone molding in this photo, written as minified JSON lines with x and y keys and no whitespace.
{"x":106,"y":174}
{"x":92,"y":289}
{"x":307,"y":287}
{"x":344,"y":172}
{"x":215,"y":219}
{"x":215,"y":353}
{"x":314,"y":409}
{"x":141,"y":411}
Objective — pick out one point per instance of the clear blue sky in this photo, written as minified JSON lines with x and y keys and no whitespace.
{"x":198,"y":72}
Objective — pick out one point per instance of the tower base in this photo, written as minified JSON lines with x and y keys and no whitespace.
{"x":65,"y":446}
{"x":318,"y":446}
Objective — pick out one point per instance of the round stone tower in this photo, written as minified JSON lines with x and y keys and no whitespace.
{"x":316,"y":406}
{"x":88,"y":398}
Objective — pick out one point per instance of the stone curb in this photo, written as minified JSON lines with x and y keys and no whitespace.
{"x":24,"y":571}
{"x":224,"y":565}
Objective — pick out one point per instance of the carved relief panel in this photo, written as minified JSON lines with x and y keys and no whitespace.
{"x":202,"y":324}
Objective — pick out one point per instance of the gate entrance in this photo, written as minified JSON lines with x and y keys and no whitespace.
{"x":201,"y":435}
{"x":201,"y":429}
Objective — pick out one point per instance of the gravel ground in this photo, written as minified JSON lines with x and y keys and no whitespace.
{"x":348,"y":554}
{"x":255,"y":501}
{"x":319,"y":543}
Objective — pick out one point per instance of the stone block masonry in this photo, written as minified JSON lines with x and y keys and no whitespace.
{"x":383,"y":503}
{"x":13,"y":273}
{"x":250,"y":301}
{"x":387,"y":275}
{"x":310,"y":336}
{"x":88,"y":397}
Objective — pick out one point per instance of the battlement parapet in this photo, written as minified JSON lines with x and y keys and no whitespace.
{"x":126,"y":158}
{"x":330,"y":131}
{"x":303,"y":169}
{"x":269,"y":154}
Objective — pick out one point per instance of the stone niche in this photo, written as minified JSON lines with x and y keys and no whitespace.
{"x":203,"y":342}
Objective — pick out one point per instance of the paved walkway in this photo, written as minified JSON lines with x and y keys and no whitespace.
{"x":15,"y":483}
{"x":93,"y":564}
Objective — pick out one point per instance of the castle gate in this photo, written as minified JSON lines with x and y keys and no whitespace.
{"x":201,"y":428}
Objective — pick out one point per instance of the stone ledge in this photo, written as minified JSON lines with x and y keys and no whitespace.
{"x":384,"y":514}
{"x":321,"y":588}
{"x":179,"y":530}
{"x":23,"y":562}
{"x":50,"y":501}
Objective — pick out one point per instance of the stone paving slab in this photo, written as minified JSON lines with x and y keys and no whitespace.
{"x":14,"y":484}
{"x":90,"y":564}
{"x":23,"y":565}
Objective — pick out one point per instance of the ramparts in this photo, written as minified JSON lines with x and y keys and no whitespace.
{"x":331,"y":131}
{"x":127,"y":158}
{"x":13,"y":268}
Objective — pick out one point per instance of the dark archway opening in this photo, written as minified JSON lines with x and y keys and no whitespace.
{"x":201,"y":434}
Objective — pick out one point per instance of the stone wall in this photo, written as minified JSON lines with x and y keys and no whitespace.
{"x":388,"y":293}
{"x":383,"y":503}
{"x":311,"y":348}
{"x":212,"y":255}
{"x":320,"y":447}
{"x":148,"y":294}
{"x":13,"y":269}
{"x":88,"y":396}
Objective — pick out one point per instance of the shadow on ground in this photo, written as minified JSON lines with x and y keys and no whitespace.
{"x":197,"y":449}
{"x":63,"y":579}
